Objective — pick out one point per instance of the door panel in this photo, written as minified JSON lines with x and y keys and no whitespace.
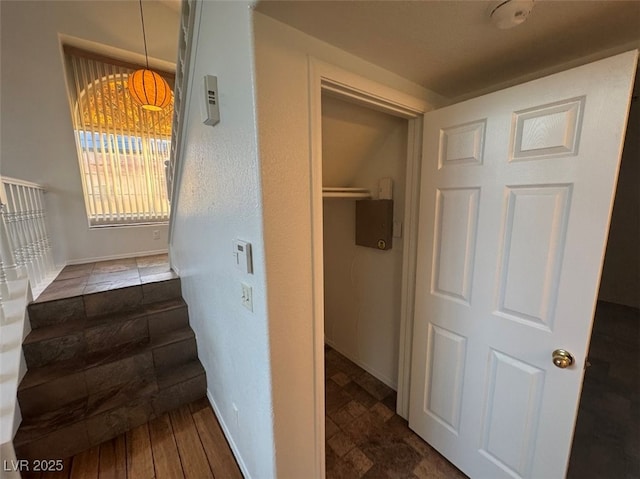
{"x":512,"y":410}
{"x":455,"y":233}
{"x":516,"y":195}
{"x":447,"y":351}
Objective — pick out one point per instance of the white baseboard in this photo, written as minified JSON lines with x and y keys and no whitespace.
{"x":117,"y":256}
{"x":227,"y":434}
{"x":388,"y":381}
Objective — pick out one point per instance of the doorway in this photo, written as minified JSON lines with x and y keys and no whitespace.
{"x":606,"y":441}
{"x":364,"y":151}
{"x":327,"y":80}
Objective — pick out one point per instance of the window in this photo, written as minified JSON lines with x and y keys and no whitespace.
{"x":123,"y":149}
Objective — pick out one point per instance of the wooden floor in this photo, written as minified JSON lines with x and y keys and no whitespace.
{"x":185,"y":443}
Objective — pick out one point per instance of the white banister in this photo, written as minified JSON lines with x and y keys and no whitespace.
{"x":25,"y":245}
{"x":26,"y":269}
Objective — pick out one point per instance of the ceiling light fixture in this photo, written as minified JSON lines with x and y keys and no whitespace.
{"x":511,"y":13}
{"x":147,"y":88}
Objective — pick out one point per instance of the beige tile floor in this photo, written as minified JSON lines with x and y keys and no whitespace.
{"x":76,"y":280}
{"x":365,"y":438}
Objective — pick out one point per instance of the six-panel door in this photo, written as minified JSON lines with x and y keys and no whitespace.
{"x":516,"y":197}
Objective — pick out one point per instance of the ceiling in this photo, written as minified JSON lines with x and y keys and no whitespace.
{"x":452,"y":48}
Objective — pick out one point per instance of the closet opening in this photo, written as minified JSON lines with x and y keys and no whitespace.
{"x":363,"y":173}
{"x":606,"y":439}
{"x":364,"y":180}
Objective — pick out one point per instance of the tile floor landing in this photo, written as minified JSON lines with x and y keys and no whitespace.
{"x":365,"y":438}
{"x":80,"y":279}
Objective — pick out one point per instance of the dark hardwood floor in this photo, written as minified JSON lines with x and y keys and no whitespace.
{"x":184,"y":443}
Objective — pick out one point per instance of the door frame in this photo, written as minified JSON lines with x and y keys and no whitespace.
{"x":324,"y":77}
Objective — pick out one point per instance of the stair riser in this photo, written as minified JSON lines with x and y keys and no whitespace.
{"x":52,"y":395}
{"x":56,"y":349}
{"x":105,"y":336}
{"x":115,"y":373}
{"x":175,"y":354}
{"x":166,"y":321}
{"x":97,"y":304}
{"x":66,"y":441}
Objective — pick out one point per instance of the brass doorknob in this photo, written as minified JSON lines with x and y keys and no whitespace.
{"x":562,"y":359}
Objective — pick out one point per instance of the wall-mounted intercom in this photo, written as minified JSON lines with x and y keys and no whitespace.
{"x":242,"y":253}
{"x":211,"y":111}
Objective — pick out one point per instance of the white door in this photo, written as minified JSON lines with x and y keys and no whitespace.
{"x":516,"y":194}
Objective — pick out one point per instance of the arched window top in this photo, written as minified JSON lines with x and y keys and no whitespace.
{"x":106,"y":103}
{"x":122,"y":148}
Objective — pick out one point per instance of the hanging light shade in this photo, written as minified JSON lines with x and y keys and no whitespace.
{"x":149,"y":89}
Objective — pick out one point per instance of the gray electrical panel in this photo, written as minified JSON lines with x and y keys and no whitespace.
{"x":374,"y":223}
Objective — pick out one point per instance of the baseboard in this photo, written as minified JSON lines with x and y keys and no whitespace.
{"x":227,"y":434}
{"x":388,"y":381}
{"x":117,"y":256}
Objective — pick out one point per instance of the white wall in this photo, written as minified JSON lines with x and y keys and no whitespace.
{"x":284,"y":148}
{"x":620,"y":281}
{"x":362,"y":285}
{"x":219,"y":200}
{"x":36,"y":129}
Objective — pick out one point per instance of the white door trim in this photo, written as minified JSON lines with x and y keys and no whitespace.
{"x":354,"y":88}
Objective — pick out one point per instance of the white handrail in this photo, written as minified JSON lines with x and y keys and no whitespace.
{"x":25,"y":244}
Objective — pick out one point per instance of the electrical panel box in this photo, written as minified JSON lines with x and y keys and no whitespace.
{"x":374,"y":223}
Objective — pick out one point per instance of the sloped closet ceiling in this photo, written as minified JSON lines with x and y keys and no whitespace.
{"x":350,"y":134}
{"x":452,"y":48}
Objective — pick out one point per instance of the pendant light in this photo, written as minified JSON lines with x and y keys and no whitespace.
{"x":147,"y":88}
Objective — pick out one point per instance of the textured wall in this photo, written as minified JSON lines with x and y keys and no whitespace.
{"x":37,"y":134}
{"x":362,"y":285}
{"x":218,"y":201}
{"x":621,"y":273}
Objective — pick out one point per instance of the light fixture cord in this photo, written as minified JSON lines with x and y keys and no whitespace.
{"x":144,"y":36}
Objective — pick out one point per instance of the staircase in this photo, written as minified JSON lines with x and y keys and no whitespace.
{"x":104,"y":360}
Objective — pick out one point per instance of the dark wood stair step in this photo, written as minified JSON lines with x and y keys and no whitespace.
{"x":103,"y":363}
{"x":47,"y":313}
{"x":73,"y":339}
{"x":67,"y":431}
{"x":66,"y":381}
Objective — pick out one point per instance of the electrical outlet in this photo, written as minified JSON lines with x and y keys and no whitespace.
{"x":156,"y":234}
{"x":247,"y":296}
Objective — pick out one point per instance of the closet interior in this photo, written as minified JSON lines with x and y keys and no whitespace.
{"x":364,"y":156}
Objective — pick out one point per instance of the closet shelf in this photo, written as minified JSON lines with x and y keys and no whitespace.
{"x":341,"y":192}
